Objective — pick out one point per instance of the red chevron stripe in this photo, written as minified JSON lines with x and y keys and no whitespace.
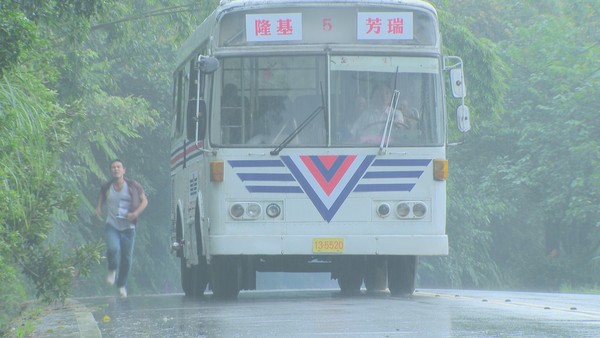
{"x":328,"y":160}
{"x":326,"y":186}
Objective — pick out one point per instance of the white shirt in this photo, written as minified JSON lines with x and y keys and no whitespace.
{"x":118,"y":204}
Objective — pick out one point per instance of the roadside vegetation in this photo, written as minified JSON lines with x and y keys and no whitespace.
{"x":85,"y":81}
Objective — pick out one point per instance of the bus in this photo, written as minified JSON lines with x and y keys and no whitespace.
{"x":276,"y":164}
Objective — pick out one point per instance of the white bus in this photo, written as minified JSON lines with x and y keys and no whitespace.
{"x":282,"y":158}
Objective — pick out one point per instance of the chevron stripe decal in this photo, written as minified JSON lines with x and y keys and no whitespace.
{"x":328,"y":179}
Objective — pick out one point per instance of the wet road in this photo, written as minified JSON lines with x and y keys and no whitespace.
{"x":314,"y":313}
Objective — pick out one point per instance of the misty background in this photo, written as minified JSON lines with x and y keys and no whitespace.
{"x":83,"y":82}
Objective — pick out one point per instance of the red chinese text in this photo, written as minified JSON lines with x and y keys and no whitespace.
{"x":262,"y":27}
{"x":284,"y":27}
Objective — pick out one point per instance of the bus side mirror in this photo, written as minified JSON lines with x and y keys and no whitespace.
{"x":463,"y":120}
{"x":207,"y":64}
{"x":459,"y":91}
{"x":458,"y":83}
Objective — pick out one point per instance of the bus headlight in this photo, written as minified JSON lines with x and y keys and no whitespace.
{"x":383,"y":210}
{"x":273,"y":210}
{"x":253,"y":210}
{"x":419,"y":210}
{"x":236,"y":210}
{"x":402,"y":210}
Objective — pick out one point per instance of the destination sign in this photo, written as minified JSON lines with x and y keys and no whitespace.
{"x":274,"y":27}
{"x":384,"y":26}
{"x":329,"y":25}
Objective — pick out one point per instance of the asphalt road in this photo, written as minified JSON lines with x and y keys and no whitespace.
{"x":326,"y":313}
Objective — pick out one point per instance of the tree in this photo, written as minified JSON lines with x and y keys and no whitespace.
{"x":34,"y":130}
{"x":133,"y":57}
{"x":17,"y":33}
{"x":554,"y":100}
{"x":469,"y":228}
{"x":534,"y":169}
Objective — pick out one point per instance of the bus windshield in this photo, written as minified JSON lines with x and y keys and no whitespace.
{"x":263,"y":100}
{"x":368,"y":91}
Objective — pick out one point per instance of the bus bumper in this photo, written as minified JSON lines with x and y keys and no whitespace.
{"x":418,"y":245}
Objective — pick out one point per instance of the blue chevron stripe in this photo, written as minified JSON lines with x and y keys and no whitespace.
{"x":384,"y":187}
{"x":266,"y":177}
{"x":393,"y":174}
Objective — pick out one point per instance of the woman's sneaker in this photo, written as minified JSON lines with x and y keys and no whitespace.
{"x":123,"y":292}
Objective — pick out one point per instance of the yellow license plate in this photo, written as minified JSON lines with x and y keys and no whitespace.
{"x":321,"y":245}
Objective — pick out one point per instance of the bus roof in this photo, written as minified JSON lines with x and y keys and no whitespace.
{"x":237,"y":3}
{"x":205,"y":29}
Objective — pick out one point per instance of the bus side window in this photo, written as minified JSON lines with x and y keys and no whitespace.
{"x":196,"y":111}
{"x":178,"y":100}
{"x":191,"y":119}
{"x":191,"y":103}
{"x":233,"y":110}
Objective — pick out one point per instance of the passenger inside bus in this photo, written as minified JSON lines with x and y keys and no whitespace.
{"x":274,"y":115}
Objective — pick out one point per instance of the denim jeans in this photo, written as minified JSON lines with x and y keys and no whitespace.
{"x":119,"y":252}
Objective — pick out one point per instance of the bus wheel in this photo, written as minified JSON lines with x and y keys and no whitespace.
{"x":186,"y":278}
{"x":376,"y":274}
{"x":200,"y":272}
{"x":187,"y":273}
{"x":225,"y":277}
{"x":200,"y":278}
{"x":401,"y":275}
{"x":350,"y":276}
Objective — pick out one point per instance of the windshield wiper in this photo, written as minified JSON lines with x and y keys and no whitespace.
{"x":297,"y":131}
{"x":391,"y":116}
{"x":304,"y":123}
{"x":390,"y":121}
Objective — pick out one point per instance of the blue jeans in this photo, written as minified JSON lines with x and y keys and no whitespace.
{"x":119,"y":252}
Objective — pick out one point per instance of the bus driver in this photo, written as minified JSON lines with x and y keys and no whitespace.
{"x":368,"y":128}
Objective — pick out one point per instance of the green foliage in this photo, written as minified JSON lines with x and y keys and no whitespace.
{"x":469,"y":227}
{"x":24,"y":324}
{"x":29,"y":129}
{"x":16,"y":34}
{"x":31,"y":192}
{"x":528,"y":175}
{"x":44,"y":10}
{"x":52,"y":274}
{"x":11,"y":289}
{"x":523,"y":189}
{"x":555,"y":100}
{"x":128,"y":116}
{"x":34,"y":130}
{"x":99,"y":96}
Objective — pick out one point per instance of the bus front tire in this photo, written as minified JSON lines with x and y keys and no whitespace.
{"x":200,"y":272}
{"x":186,"y":277}
{"x":350,"y":274}
{"x":376,"y":274}
{"x":401,"y":275}
{"x":226,"y":276}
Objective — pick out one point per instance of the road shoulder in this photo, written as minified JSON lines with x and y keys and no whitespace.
{"x":71,"y":319}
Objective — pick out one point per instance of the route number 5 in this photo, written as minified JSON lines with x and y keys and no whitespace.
{"x":327,"y":24}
